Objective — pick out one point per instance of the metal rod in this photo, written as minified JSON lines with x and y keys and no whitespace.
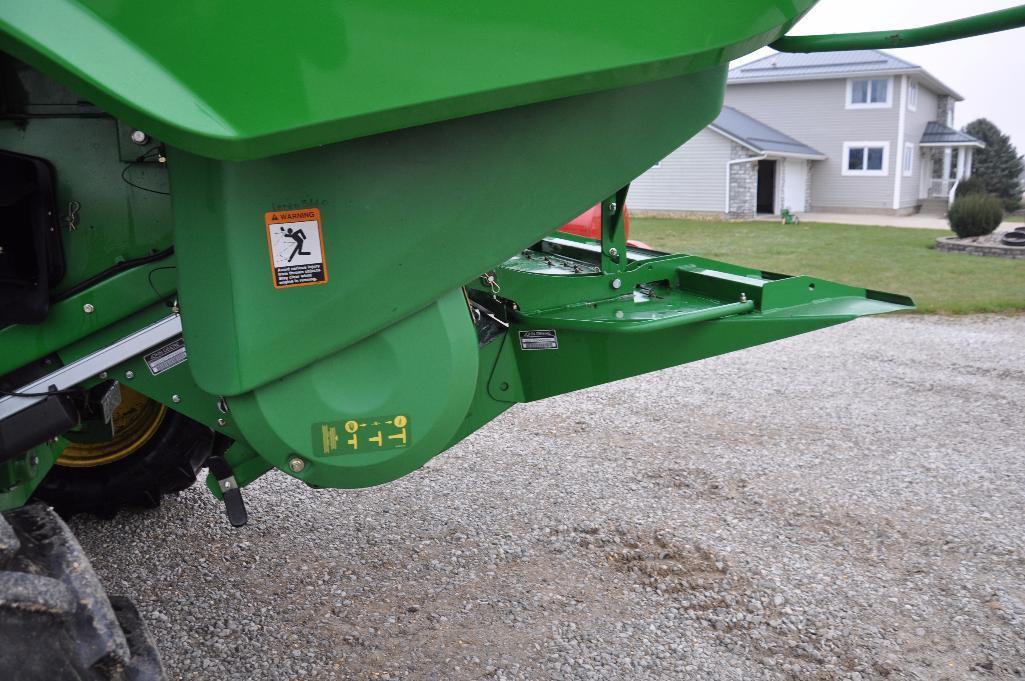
{"x":980,"y":24}
{"x":92,"y":364}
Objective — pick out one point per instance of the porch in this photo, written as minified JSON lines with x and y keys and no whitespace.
{"x":946,"y":159}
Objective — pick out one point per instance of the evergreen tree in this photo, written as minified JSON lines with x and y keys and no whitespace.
{"x":999,"y":166}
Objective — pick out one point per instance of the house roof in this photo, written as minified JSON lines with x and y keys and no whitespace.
{"x":783,"y":66}
{"x":940,"y":135}
{"x":759,"y":137}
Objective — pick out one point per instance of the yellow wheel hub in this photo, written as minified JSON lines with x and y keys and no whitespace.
{"x":135,"y":421}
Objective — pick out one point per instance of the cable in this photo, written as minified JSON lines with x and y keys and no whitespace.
{"x":142,"y":159}
{"x":110,"y":272}
{"x":149,"y":277}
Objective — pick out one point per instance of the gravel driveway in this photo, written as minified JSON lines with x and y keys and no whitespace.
{"x":844,"y":505}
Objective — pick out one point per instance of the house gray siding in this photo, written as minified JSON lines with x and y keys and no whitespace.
{"x":814,"y":111}
{"x":692,"y":179}
{"x":914,"y":126}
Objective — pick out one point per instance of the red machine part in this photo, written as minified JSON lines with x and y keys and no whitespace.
{"x":588,"y":224}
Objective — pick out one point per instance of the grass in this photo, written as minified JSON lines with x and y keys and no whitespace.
{"x":897,"y":260}
{"x":1014,"y":218}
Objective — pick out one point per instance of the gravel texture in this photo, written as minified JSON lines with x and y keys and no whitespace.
{"x":843,"y":505}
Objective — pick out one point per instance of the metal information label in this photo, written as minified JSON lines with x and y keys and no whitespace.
{"x":539,"y":339}
{"x":166,"y":357}
{"x":110,"y":401}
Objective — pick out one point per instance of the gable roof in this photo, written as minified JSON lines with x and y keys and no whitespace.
{"x":759,"y":137}
{"x":783,"y":66}
{"x":940,"y":135}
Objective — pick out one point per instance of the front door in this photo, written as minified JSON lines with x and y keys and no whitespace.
{"x":766,"y":196}
{"x":795,"y":184}
{"x":924,"y":173}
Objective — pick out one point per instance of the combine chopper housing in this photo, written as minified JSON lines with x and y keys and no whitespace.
{"x":323,"y":241}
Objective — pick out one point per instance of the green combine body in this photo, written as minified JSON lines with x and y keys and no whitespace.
{"x":319,"y":236}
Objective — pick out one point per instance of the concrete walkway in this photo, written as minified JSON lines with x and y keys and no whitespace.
{"x":912,"y":221}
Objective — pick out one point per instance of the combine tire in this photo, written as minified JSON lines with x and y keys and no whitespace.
{"x":154,"y":451}
{"x":56,"y":623}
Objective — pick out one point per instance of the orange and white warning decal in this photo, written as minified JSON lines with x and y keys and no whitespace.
{"x":296,"y":243}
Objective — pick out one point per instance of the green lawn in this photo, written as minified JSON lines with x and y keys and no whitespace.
{"x":898,"y":260}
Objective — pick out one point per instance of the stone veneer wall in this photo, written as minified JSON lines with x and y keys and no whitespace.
{"x":944,"y":104}
{"x":743,"y":185}
{"x":807,"y":185}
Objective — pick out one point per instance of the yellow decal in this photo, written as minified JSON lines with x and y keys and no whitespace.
{"x":329,"y":435}
{"x":371,"y":434}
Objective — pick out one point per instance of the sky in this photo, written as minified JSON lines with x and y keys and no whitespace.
{"x":988,"y":71}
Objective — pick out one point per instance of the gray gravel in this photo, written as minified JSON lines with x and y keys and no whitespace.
{"x":844,"y":505}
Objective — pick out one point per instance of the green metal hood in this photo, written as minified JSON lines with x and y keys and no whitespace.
{"x":255,"y":79}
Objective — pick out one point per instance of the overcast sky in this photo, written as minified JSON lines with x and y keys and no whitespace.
{"x":988,"y":71}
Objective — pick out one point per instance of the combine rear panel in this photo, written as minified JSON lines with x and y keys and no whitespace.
{"x":321,"y":237}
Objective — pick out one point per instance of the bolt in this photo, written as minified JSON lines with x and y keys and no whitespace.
{"x":222,"y":422}
{"x":139,"y":137}
{"x":103,"y":374}
{"x":88,"y":308}
{"x":34,"y":461}
{"x":129,"y":374}
{"x":295,"y":464}
{"x":616,"y":283}
{"x":743,"y":297}
{"x":612,"y":207}
{"x":176,"y":398}
{"x":613,"y":252}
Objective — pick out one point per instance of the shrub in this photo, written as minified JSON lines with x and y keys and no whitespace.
{"x":970,"y":185}
{"x":975,"y":215}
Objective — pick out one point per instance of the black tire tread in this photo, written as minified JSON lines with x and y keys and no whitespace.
{"x":167,"y":464}
{"x":56,"y":622}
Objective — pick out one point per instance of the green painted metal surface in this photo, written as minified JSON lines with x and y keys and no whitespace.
{"x":374,"y":411}
{"x":246,"y":81}
{"x":421,"y":146}
{"x":658,"y":312}
{"x":112,"y":300}
{"x":20,"y":476}
{"x":103,"y":219}
{"x":980,"y":24}
{"x":406,"y":217}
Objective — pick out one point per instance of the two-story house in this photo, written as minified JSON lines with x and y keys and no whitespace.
{"x":859,"y":131}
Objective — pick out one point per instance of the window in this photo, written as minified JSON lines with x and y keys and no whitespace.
{"x":868,"y":93}
{"x":865,"y":158}
{"x":913,"y":96}
{"x":909,"y":159}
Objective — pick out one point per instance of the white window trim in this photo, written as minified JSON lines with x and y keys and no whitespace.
{"x":909,"y":152}
{"x":848,"y":104}
{"x":912,"y":95}
{"x":865,"y":173}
